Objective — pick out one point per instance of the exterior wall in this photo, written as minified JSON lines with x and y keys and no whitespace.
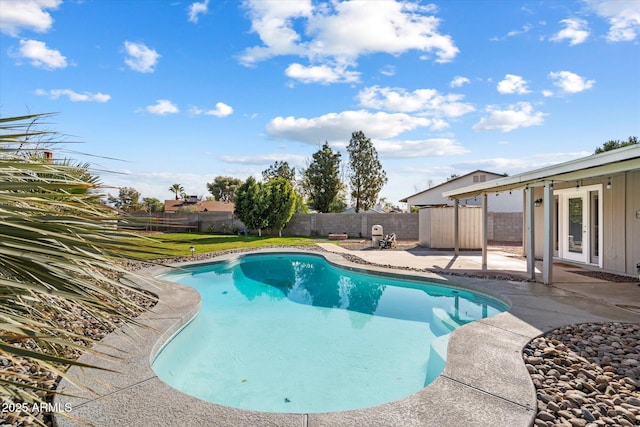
{"x":620,"y":221}
{"x":505,"y":226}
{"x":405,"y":225}
{"x":354,"y":225}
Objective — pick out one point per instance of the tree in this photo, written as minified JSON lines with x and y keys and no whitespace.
{"x":321,"y":180}
{"x":613,"y":144}
{"x":280,"y":203}
{"x":128,"y":200}
{"x":251,"y":204}
{"x":366,"y":176}
{"x":177,"y":189}
{"x":59,"y":254}
{"x":223,"y":188}
{"x":280,"y":170}
{"x":151,"y":204}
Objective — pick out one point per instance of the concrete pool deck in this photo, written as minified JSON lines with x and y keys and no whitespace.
{"x":487,"y":386}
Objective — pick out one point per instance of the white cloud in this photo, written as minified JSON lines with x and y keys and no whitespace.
{"x":321,"y":74}
{"x":623,"y":17}
{"x":519,"y":165}
{"x":337,"y":127}
{"x":40,"y":55}
{"x":513,"y":84}
{"x":428,"y":101}
{"x":576,"y":31}
{"x":196,"y":9}
{"x":388,"y":70}
{"x":458,"y":81}
{"x":74,"y":96}
{"x":569,"y":82}
{"x":140,"y":57}
{"x":221,"y":110}
{"x":407,"y":149}
{"x":516,"y":116}
{"x":162,"y":107}
{"x":26,"y":14}
{"x":260,"y":159}
{"x":525,"y":29}
{"x":318,"y":31}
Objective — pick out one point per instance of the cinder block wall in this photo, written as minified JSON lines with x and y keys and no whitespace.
{"x":505,"y":226}
{"x":355,"y":225}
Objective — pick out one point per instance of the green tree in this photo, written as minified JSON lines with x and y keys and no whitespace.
{"x":59,"y":254}
{"x":613,"y":144}
{"x":321,"y":180}
{"x":128,"y":200}
{"x":280,"y":202}
{"x":251,"y":204}
{"x":223,"y":188}
{"x":280,"y":170}
{"x":366,"y":176}
{"x":151,"y":204}
{"x":177,"y":189}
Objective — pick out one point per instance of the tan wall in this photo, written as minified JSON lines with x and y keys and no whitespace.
{"x":437,"y":228}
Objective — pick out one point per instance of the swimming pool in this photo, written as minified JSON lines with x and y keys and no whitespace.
{"x":293,"y":333}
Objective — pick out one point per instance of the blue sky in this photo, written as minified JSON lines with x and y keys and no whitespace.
{"x":183,"y":91}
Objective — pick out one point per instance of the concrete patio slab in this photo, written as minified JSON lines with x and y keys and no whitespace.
{"x":484,"y":382}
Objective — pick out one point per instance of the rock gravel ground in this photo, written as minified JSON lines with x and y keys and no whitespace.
{"x":587,"y":375}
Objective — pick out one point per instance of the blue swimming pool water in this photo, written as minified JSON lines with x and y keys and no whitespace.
{"x":292,"y":333}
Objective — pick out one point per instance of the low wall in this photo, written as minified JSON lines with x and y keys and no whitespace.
{"x":316,"y":224}
{"x":405,"y":225}
{"x":503,"y":226}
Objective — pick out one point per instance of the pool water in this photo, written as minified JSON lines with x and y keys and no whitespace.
{"x":292,"y":333}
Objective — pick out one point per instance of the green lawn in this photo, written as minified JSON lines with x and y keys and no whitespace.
{"x":164,"y":245}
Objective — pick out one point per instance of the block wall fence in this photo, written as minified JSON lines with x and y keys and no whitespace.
{"x":502,"y":226}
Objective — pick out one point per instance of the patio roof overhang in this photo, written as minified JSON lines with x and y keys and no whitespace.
{"x":604,"y":164}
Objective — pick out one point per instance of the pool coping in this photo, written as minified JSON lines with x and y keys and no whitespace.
{"x":487,"y":386}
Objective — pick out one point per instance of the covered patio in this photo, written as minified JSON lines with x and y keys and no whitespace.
{"x":589,"y":209}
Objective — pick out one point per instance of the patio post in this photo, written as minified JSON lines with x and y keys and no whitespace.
{"x":530,"y":233}
{"x":485,"y":231}
{"x":456,"y":227}
{"x":547,"y":239}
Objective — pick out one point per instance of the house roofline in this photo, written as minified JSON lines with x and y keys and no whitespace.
{"x":607,"y":163}
{"x":451,"y":180}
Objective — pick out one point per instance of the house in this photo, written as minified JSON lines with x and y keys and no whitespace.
{"x":584,"y":211}
{"x":432,"y":197}
{"x":193,"y":204}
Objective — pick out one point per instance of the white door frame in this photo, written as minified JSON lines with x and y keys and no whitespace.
{"x":564,"y":247}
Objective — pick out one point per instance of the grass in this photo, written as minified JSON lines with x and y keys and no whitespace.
{"x":165,"y":245}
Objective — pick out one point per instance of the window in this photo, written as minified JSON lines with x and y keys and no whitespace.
{"x":479,"y":178}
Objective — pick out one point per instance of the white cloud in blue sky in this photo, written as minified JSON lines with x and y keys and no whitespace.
{"x":40,"y":55}
{"x":186,"y":91}
{"x":196,"y":9}
{"x":19,"y":15}
{"x":576,"y":31}
{"x":74,"y":96}
{"x":140,"y":57}
{"x":513,"y":84}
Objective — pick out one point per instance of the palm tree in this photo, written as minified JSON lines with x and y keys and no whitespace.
{"x":59,"y":254}
{"x":177,"y":189}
